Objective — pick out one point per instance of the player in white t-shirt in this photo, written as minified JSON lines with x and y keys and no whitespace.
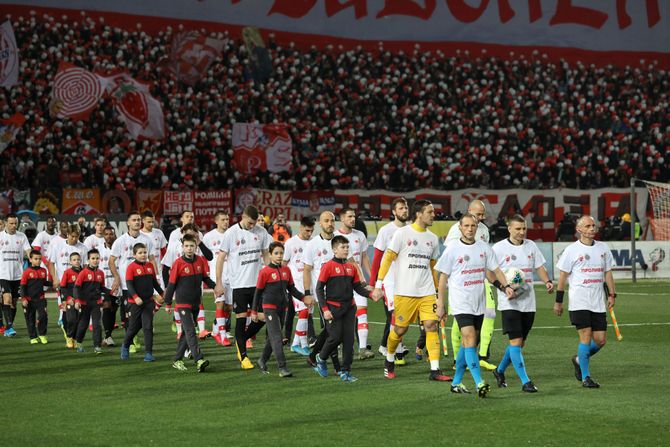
{"x":245,"y":246}
{"x":43,"y":240}
{"x":518,"y":313}
{"x":384,"y":235}
{"x":97,"y":239}
{"x":477,"y":209}
{"x":294,"y":252}
{"x":358,"y":255}
{"x":122,"y":257}
{"x":157,"y":238}
{"x":14,"y":246}
{"x":186,"y":217}
{"x":174,"y":252}
{"x":414,"y":249}
{"x":224,"y":303}
{"x":110,"y":303}
{"x":318,"y":251}
{"x":586,"y":265}
{"x":58,"y":258}
{"x":464,"y":265}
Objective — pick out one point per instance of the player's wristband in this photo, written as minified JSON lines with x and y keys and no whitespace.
{"x":378,"y":284}
{"x":559,"y":296}
{"x":498,"y":285}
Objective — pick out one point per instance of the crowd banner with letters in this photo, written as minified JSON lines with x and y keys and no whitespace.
{"x":81,"y":201}
{"x":622,"y":32}
{"x":543,"y":209}
{"x":207,"y":203}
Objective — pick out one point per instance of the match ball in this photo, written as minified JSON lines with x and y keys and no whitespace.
{"x":515,"y":278}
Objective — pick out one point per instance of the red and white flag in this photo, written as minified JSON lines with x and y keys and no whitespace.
{"x":191,"y":55}
{"x":76,"y":92}
{"x":9,"y":56}
{"x":9,"y":128}
{"x":261,"y":147}
{"x":141,"y":112}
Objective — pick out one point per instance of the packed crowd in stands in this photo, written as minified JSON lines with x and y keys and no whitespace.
{"x":358,"y":119}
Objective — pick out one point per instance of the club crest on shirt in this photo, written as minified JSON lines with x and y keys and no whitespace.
{"x":415,"y":242}
{"x":587,"y":257}
{"x":513,"y":257}
{"x":459,"y":260}
{"x":274,"y":276}
{"x":32,"y":275}
{"x":187,"y":270}
{"x":89,"y":276}
{"x":337,"y":270}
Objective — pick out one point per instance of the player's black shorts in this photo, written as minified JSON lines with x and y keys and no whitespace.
{"x":464,"y":320}
{"x":243,"y":298}
{"x":12,"y":287}
{"x":581,"y":319}
{"x":517,"y":324}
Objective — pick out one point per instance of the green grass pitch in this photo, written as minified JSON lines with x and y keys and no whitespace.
{"x":54,"y":397}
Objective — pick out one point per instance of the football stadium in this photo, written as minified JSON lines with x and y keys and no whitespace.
{"x":329,"y":222}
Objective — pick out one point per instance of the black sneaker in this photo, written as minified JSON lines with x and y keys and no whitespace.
{"x":263,"y":366}
{"x":311,"y":360}
{"x":500,"y":378}
{"x":389,"y":369}
{"x":589,"y":383}
{"x":483,"y":389}
{"x":436,"y":374}
{"x":459,"y":389}
{"x":529,"y":387}
{"x":284,"y":372}
{"x":578,"y":369}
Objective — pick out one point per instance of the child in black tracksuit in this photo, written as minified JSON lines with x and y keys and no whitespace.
{"x":186,"y":277}
{"x":67,"y":296}
{"x":337,"y":281}
{"x":88,"y":290}
{"x":141,"y":281}
{"x":271,"y":299}
{"x":33,"y":281}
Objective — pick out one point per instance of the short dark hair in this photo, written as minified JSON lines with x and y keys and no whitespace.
{"x":467,"y":216}
{"x":11,"y":216}
{"x":184,"y":212}
{"x":518,"y":218}
{"x":109,"y":227}
{"x":73,"y":229}
{"x":189,"y":226}
{"x":418,"y":206}
{"x":251,"y":211}
{"x":307,"y":221}
{"x":34,"y":252}
{"x":188,"y":238}
{"x":346,"y":209}
{"x":92,"y":251}
{"x":397,"y":201}
{"x":147,"y":213}
{"x":275,"y":245}
{"x":74,"y":253}
{"x":99,"y":219}
{"x":133,"y":213}
{"x":221,"y":213}
{"x":338,"y":240}
{"x":137,"y":247}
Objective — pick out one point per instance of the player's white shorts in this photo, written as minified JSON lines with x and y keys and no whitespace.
{"x":227,"y":297}
{"x":361,"y":301}
{"x":388,"y":296}
{"x":298,"y":305}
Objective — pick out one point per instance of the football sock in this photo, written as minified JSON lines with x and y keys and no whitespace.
{"x":583,"y":352}
{"x":460,"y":367}
{"x":472,"y":360}
{"x":7,"y":312}
{"x":518,"y":363}
{"x":12,"y":311}
{"x":219,"y":326}
{"x":486,"y":335}
{"x":240,"y":336}
{"x":392,"y":344}
{"x":455,"y":338}
{"x":362,"y":315}
{"x":593,"y":348}
{"x":504,"y":363}
{"x":201,"y":318}
{"x":300,"y":335}
{"x":433,"y":348}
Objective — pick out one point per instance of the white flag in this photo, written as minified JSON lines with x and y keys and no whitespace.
{"x":9,"y":56}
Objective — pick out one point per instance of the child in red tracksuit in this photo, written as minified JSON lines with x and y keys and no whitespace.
{"x":141,"y":281}
{"x":67,"y":296}
{"x":186,"y":277}
{"x":88,"y":290}
{"x":271,"y":299}
{"x":335,"y":291}
{"x":33,"y":281}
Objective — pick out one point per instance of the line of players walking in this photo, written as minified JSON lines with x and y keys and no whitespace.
{"x":262,"y":283}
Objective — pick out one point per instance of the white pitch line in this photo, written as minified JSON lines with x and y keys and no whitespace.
{"x":553,"y":327}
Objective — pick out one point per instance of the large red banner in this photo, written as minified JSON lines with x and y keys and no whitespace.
{"x":204,"y":204}
{"x":631,"y":32}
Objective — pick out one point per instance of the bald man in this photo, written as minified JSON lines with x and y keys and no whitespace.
{"x":477,"y":208}
{"x":586,"y":265}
